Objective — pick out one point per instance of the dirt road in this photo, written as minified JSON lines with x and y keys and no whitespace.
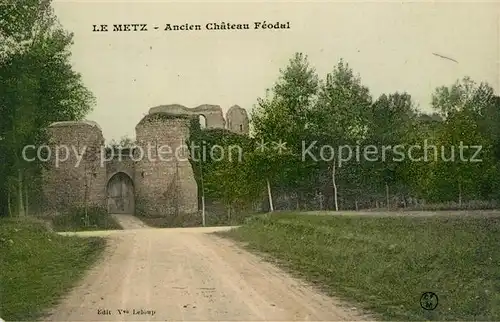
{"x":189,"y":275}
{"x":129,"y":221}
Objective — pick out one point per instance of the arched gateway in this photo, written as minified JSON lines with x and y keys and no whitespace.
{"x":120,"y":191}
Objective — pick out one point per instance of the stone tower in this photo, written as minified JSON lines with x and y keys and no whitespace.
{"x":237,"y":120}
{"x":75,"y":173}
{"x":164,"y":178}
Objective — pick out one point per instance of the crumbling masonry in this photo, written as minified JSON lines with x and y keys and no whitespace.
{"x":123,"y":182}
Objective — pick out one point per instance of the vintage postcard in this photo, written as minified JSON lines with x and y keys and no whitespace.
{"x":249,"y":160}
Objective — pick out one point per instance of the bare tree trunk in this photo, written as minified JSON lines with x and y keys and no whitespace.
{"x":20,"y":192}
{"x":9,"y":203}
{"x":26,"y":200}
{"x":203,"y":208}
{"x":335,"y":196}
{"x":85,"y":201}
{"x":387,"y":196}
{"x":356,"y":205}
{"x":459,"y":194}
{"x":88,"y":196}
{"x":270,"y":196}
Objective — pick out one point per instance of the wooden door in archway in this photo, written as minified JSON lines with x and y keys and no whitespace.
{"x":120,"y":190}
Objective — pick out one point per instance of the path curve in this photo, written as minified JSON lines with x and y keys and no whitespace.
{"x":189,"y":275}
{"x":129,"y":221}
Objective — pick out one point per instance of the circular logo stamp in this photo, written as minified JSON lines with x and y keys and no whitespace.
{"x":429,"y":301}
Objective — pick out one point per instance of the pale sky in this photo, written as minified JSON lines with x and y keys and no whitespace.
{"x":389,"y":44}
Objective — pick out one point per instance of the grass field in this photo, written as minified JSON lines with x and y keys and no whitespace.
{"x":385,"y":264}
{"x":39,"y":266}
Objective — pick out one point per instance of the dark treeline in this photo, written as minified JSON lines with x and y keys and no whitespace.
{"x":448,"y":158}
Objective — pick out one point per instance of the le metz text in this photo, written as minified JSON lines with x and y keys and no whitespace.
{"x":187,"y":27}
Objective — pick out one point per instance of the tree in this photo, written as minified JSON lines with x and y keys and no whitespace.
{"x":283,"y":117}
{"x":222,"y":166}
{"x":423,"y":132}
{"x":390,"y":123}
{"x":39,"y":87}
{"x":464,"y":106}
{"x":124,"y":143}
{"x":340,"y":117}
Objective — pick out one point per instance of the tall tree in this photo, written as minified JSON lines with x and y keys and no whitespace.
{"x":281,"y":120}
{"x":390,"y":123}
{"x":464,"y":106}
{"x":39,"y":87}
{"x":341,"y":118}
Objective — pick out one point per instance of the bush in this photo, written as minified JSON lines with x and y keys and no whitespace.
{"x":75,"y":220}
{"x":196,"y":220}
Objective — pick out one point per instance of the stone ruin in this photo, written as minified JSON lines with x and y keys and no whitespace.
{"x":124,"y":181}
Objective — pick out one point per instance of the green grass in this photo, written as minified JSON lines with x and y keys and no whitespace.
{"x":384,"y":264}
{"x":39,"y":266}
{"x":74,"y":220}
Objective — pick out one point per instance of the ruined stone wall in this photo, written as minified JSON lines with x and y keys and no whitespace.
{"x":236,"y":117}
{"x":212,"y":113}
{"x":165,"y":182}
{"x":237,"y":120}
{"x":161,"y":186}
{"x":67,"y":182}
